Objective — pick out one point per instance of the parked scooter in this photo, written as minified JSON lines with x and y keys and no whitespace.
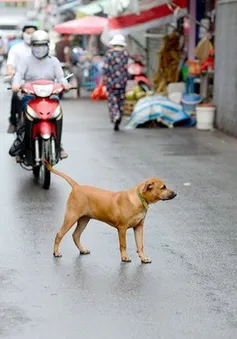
{"x":43,"y":128}
{"x":136,"y":71}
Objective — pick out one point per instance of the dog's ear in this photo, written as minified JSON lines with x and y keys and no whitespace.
{"x":148,"y":186}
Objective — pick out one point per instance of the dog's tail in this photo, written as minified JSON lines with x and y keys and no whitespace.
{"x":70,"y":181}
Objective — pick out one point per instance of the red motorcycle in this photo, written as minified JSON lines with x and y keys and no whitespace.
{"x":137,"y":72}
{"x":43,"y":128}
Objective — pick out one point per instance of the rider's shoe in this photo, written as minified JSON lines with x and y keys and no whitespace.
{"x":16,"y":148}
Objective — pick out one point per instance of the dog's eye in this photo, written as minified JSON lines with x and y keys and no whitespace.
{"x":163,"y":188}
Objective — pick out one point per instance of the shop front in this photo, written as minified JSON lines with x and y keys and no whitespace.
{"x":177,"y":40}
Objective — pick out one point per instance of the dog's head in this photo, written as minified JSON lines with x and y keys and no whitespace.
{"x":154,"y":190}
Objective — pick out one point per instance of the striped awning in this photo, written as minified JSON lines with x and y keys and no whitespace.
{"x":152,"y":13}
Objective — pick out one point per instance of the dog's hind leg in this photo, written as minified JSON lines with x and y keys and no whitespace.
{"x":71,"y":217}
{"x":81,"y":225}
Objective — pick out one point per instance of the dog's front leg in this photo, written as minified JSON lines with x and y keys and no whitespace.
{"x":123,"y":245}
{"x":138,"y":234}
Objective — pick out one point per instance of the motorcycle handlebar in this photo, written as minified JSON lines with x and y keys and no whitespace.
{"x":10,"y":88}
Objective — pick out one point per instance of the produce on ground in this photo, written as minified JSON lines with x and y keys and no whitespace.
{"x":132,"y":98}
{"x":137,"y":93}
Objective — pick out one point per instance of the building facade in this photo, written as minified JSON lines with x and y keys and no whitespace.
{"x":225,"y":92}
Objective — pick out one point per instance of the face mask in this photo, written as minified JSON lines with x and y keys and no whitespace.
{"x":40,"y":52}
{"x":27,"y":38}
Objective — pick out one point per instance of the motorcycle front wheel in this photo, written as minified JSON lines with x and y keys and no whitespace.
{"x":36,"y":172}
{"x":45,"y":175}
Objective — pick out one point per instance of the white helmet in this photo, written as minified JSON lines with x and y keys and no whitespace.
{"x":40,"y":44}
{"x":40,"y":38}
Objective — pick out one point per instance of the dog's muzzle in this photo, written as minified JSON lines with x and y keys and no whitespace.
{"x":170,"y":196}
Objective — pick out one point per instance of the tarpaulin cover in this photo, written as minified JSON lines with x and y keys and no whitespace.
{"x":161,"y":109}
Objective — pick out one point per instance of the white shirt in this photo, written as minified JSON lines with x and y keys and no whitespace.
{"x":17,"y":54}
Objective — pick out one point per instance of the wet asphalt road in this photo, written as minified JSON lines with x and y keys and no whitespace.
{"x":189,"y":290}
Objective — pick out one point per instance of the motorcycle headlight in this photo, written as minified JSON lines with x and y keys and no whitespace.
{"x":30,"y":113}
{"x":57,"y":113}
{"x":43,"y":91}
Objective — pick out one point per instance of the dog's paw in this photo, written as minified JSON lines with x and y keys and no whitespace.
{"x":146,"y":261}
{"x":126,"y":259}
{"x":86,"y":252}
{"x":57,"y":255}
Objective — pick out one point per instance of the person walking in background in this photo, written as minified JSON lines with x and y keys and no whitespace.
{"x":63,"y":50}
{"x":115,"y":77}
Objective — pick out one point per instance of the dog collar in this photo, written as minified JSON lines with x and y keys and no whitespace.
{"x":143,"y":201}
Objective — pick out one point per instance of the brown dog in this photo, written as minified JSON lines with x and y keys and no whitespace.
{"x":122,"y":210}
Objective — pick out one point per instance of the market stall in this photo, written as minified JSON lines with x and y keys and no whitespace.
{"x":138,"y":17}
{"x":190,"y":80}
{"x":87,"y":64}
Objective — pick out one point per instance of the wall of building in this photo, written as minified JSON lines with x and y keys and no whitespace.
{"x":153,"y":44}
{"x":225,"y":92}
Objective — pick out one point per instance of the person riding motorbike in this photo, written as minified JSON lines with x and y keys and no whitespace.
{"x":39,"y":65}
{"x":16,"y":55}
{"x":14,"y":40}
